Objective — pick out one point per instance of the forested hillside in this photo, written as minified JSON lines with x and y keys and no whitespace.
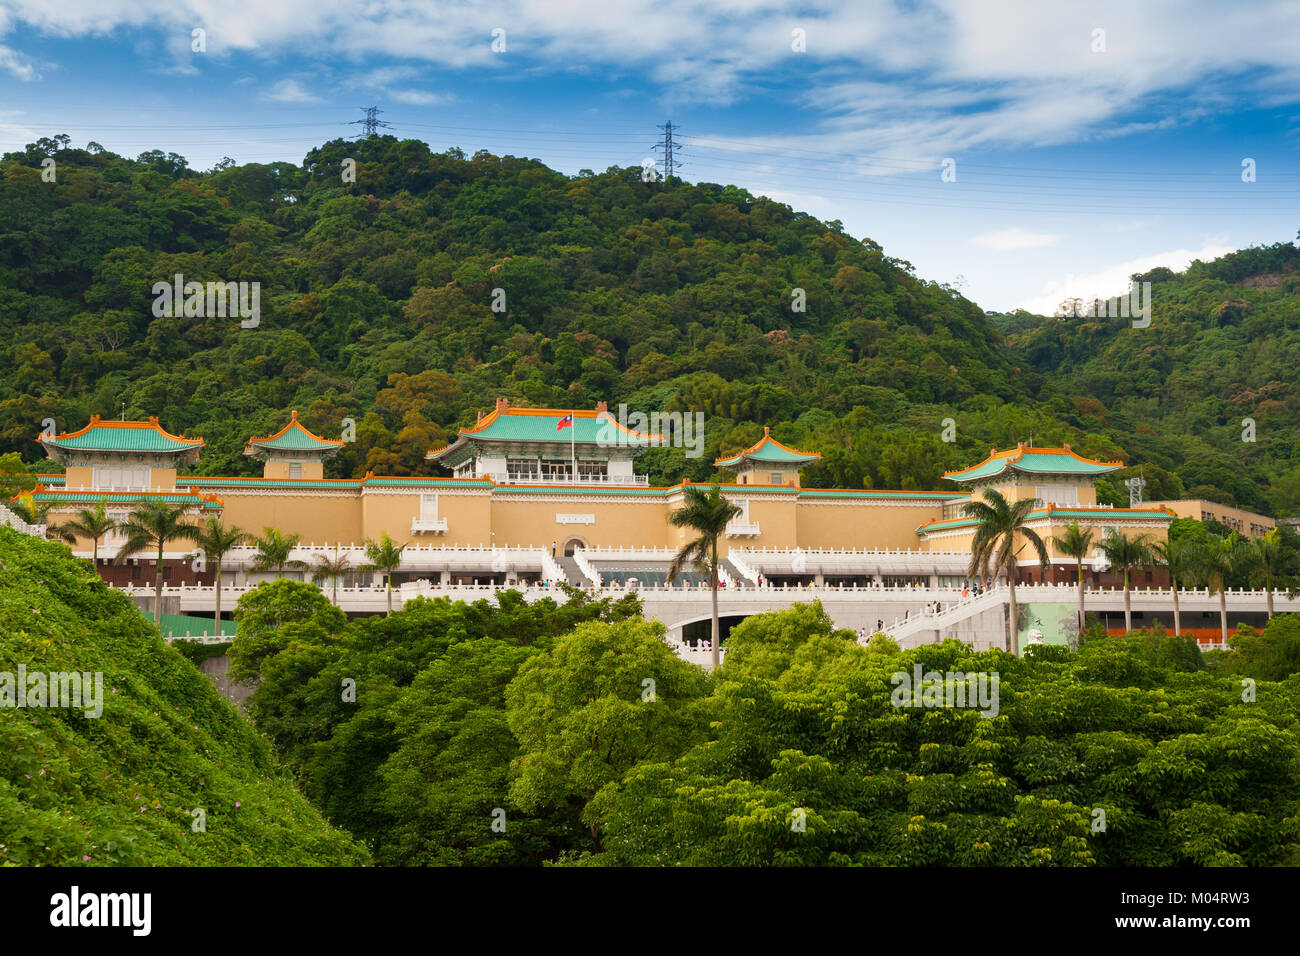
{"x":1220,"y":358}
{"x":377,"y":296}
{"x":122,"y":788}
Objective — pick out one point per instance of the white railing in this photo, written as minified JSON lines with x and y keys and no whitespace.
{"x":199,"y":638}
{"x":435,"y":525}
{"x":585,"y":566}
{"x":551,"y":569}
{"x":630,"y":553}
{"x":12,"y":520}
{"x":520,"y":478}
{"x":742,"y":529}
{"x":741,"y":565}
{"x":950,"y":614}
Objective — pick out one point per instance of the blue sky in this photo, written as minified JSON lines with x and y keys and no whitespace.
{"x":1080,"y":156}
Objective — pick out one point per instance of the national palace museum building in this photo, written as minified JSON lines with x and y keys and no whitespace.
{"x":562,"y":500}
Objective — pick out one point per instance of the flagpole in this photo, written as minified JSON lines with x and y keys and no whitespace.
{"x":573,"y":444}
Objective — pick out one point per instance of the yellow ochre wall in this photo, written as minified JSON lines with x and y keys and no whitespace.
{"x":863,"y":523}
{"x":279,"y":470}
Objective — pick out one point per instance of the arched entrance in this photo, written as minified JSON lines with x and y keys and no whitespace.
{"x":695,"y":631}
{"x":572,"y":543}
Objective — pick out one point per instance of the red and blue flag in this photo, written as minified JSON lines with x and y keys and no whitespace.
{"x":565,"y":422}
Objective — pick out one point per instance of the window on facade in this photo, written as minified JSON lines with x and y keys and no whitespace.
{"x":295,"y":469}
{"x":556,"y":470}
{"x":518,"y":469}
{"x":1059,"y":493}
{"x":592,"y":470}
{"x":121,"y":479}
{"x":776,"y":478}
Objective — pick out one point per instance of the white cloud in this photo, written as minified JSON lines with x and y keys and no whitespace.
{"x":421,"y":97}
{"x":16,"y":64}
{"x":1114,"y":280}
{"x":291,"y":91}
{"x":881,"y":74}
{"x":1008,"y":240}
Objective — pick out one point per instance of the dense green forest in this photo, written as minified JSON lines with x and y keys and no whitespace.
{"x":121,"y":788}
{"x":1207,"y":397}
{"x":377,"y":295}
{"x":572,"y":734}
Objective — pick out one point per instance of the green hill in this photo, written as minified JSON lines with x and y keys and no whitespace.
{"x":120,"y":789}
{"x":377,"y":297}
{"x":1181,"y":396}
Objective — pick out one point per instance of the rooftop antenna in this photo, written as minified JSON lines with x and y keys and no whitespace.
{"x":1135,"y":486}
{"x":124,"y":411}
{"x":371,"y":124}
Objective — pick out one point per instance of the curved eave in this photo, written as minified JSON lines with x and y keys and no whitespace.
{"x":790,"y":456}
{"x":1053,"y":512}
{"x":180,"y":444}
{"x":1015,"y":460}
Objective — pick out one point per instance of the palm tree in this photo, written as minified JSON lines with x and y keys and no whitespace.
{"x":708,"y":514}
{"x":1268,"y":564}
{"x":1127,"y":554}
{"x":384,"y":556}
{"x":216,"y":542}
{"x":92,"y":523}
{"x":994,"y":550}
{"x":273,"y":550}
{"x":154,"y":523}
{"x":331,"y":569}
{"x":1178,"y":557}
{"x":1076,"y":543}
{"x":1218,"y":559}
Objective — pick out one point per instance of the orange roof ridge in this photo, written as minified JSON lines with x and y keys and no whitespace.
{"x":293,"y":422}
{"x":1016,"y":454}
{"x":97,"y":422}
{"x":768,"y":439}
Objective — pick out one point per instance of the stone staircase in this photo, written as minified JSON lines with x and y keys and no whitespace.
{"x":949,"y":617}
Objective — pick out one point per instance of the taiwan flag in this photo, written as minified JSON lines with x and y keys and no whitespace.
{"x":565,"y":422}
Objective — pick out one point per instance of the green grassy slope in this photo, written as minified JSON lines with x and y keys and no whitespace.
{"x":119,"y":789}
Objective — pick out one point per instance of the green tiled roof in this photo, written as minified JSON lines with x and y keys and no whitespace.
{"x":768,"y":451}
{"x":201,"y":482}
{"x":868,"y":493}
{"x":122,"y":436}
{"x":429,"y":482}
{"x":1097,"y":514}
{"x":293,"y":437}
{"x":122,"y":498}
{"x":178,"y":625}
{"x":538,"y":425}
{"x":1047,"y":461}
{"x":52,"y":479}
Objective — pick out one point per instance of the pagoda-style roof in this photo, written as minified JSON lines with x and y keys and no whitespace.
{"x":1055,"y":512}
{"x":1035,"y":461}
{"x":293,"y":437}
{"x":540,"y":426}
{"x":194,"y":499}
{"x":106,"y":435}
{"x":768,"y":451}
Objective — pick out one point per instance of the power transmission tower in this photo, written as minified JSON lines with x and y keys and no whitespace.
{"x":371,"y":123}
{"x":667,"y":146}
